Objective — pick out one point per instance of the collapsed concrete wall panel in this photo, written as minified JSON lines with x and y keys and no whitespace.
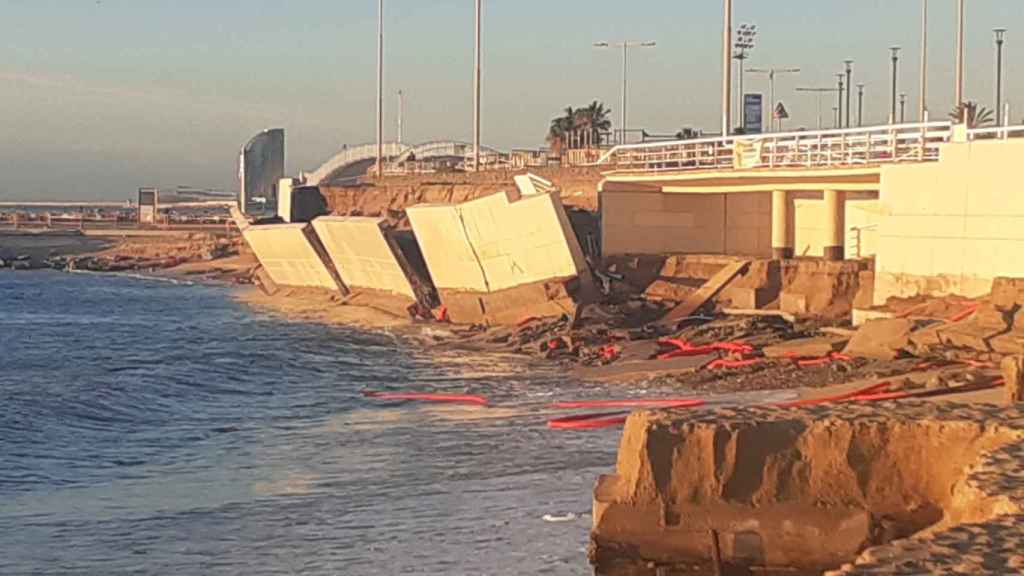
{"x":290,"y":256}
{"x":502,"y":258}
{"x":362,"y":254}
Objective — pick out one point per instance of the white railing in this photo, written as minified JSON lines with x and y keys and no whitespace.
{"x":827,"y":148}
{"x":999,"y":133}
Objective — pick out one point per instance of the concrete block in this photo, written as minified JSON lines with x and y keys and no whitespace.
{"x":299,"y":204}
{"x":744,"y":298}
{"x":292,"y":256}
{"x":793,"y":303}
{"x":364,"y":256}
{"x":493,"y":255}
{"x":881,"y":339}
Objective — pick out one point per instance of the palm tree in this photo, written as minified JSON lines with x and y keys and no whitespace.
{"x":593,"y":119}
{"x":975,"y":116}
{"x":596,"y":119}
{"x":560,"y":128}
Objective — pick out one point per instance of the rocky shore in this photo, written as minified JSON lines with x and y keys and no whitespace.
{"x":200,"y":256}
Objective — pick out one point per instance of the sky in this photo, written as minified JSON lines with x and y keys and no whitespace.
{"x":100,"y":97}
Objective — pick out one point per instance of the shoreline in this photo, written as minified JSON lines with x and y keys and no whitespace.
{"x":322,"y":307}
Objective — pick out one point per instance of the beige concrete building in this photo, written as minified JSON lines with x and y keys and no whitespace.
{"x":952,"y":226}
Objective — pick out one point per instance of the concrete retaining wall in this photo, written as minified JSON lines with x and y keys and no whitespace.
{"x":363,"y":255}
{"x":952,"y":226}
{"x":290,"y":255}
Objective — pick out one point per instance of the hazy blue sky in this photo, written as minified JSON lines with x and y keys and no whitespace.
{"x":100,"y":97}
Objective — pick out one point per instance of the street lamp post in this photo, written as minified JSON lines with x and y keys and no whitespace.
{"x":895,"y":66}
{"x":625,"y":77}
{"x":476,"y":93}
{"x":771,"y":72}
{"x":820,"y":92}
{"x":380,"y":88}
{"x":1000,"y":38}
{"x":745,"y":37}
{"x":849,"y":88}
{"x":726,"y":67}
{"x":839,"y":105}
{"x":401,"y":113}
{"x":961,"y":49}
{"x":923,"y":103}
{"x":903,"y":107}
{"x":860,"y":105}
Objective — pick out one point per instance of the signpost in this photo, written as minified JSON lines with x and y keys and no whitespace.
{"x":753,"y":113}
{"x":780,"y":113}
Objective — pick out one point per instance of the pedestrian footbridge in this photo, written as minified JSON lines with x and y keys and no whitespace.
{"x":353,"y":162}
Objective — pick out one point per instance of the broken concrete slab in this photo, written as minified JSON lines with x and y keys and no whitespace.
{"x":709,"y":290}
{"x":968,"y":335}
{"x":503,"y":258}
{"x":881,"y":339}
{"x":369,"y":258}
{"x":293,"y":256}
{"x":1009,"y":343}
{"x":806,"y":347}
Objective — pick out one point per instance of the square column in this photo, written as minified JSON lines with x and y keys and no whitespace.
{"x":835,"y":225}
{"x":782,"y":245}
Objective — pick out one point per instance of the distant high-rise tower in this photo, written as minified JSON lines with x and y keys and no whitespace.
{"x":260,"y":168}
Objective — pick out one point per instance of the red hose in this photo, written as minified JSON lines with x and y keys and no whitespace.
{"x":963,"y":314}
{"x":684,"y":348}
{"x":588,"y":421}
{"x":427,"y":397}
{"x":726,"y":363}
{"x":640,"y":403}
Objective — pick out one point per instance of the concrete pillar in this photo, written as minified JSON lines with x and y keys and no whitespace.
{"x":1013,"y":373}
{"x":782,"y":246}
{"x":285,"y":187}
{"x":835,"y":224}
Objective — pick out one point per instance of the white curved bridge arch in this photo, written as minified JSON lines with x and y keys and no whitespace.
{"x":393,"y":152}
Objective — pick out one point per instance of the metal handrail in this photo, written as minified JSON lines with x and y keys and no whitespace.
{"x":850,"y":146}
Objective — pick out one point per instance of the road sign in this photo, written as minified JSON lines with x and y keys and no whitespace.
{"x":780,"y":112}
{"x":753,"y":113}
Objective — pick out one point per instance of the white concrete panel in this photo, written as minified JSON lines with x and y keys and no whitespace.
{"x":362,"y":254}
{"x":288,"y":256}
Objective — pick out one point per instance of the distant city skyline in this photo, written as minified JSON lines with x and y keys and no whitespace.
{"x":100,"y":97}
